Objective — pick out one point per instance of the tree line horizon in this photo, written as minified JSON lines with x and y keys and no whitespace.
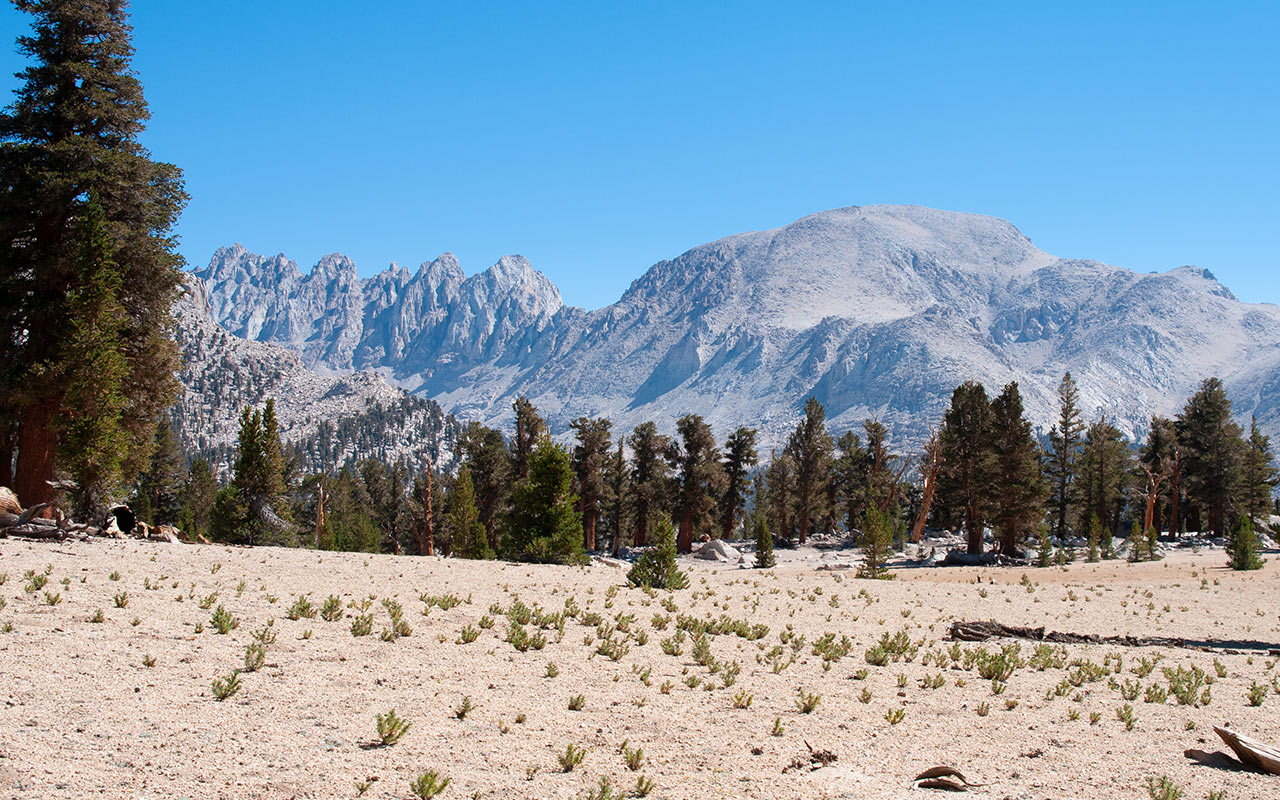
{"x":527,"y":497}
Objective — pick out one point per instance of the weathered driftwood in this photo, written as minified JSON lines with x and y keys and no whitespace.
{"x":947,"y":778}
{"x":1256,"y":754}
{"x":983,"y":631}
{"x":31,"y":530}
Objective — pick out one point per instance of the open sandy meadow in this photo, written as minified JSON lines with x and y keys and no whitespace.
{"x":523,"y":681}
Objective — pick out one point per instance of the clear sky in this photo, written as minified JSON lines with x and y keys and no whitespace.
{"x":597,"y":138}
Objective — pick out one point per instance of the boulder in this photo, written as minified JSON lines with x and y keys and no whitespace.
{"x":719,"y":550}
{"x":9,"y":501}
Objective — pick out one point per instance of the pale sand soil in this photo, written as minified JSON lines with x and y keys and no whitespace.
{"x":82,"y":716}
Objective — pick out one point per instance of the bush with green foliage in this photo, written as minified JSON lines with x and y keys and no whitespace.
{"x":391,"y":728}
{"x":545,"y":525}
{"x":877,"y":539}
{"x":1243,"y":546}
{"x":764,"y":540}
{"x":657,"y":568}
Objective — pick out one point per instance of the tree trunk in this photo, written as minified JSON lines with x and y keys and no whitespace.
{"x":973,"y":526}
{"x":642,"y":524}
{"x":926,"y":500}
{"x":804,"y":520}
{"x":321,"y":498}
{"x":6,"y":466}
{"x":589,"y":530}
{"x":36,"y":445}
{"x":684,"y":542}
{"x":427,"y":533}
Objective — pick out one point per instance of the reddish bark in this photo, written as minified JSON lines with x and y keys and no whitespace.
{"x":427,"y":532}
{"x":929,"y":468}
{"x":589,"y":531}
{"x":36,"y":445}
{"x":684,"y":541}
{"x":6,"y":467}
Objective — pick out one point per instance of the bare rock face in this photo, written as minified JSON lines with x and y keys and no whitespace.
{"x":877,"y":311}
{"x":334,"y":416}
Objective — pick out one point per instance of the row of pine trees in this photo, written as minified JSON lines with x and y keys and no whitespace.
{"x":983,"y":471}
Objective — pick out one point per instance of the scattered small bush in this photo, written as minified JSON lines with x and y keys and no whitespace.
{"x":391,"y":728}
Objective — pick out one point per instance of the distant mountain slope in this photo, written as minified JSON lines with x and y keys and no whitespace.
{"x":878,"y":311}
{"x":333,"y":418}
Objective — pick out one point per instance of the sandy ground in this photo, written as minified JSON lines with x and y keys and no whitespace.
{"x":83,"y":716}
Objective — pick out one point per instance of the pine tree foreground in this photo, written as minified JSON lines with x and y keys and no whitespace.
{"x":764,"y":540}
{"x":1243,"y":547}
{"x":657,"y":568}
{"x":85,"y":238}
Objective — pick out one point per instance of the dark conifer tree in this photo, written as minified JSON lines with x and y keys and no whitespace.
{"x":615,"y":513}
{"x":486,"y":454}
{"x":650,"y":478}
{"x":529,"y":430}
{"x":348,"y":524}
{"x":198,"y":494}
{"x":810,"y":449}
{"x":882,"y":479}
{"x":1213,"y":450}
{"x":764,"y":539}
{"x":467,"y":536}
{"x":779,"y":491}
{"x":968,"y":463}
{"x":1018,"y":505}
{"x":739,"y":457}
{"x":701,"y":480}
{"x":850,"y":473}
{"x":69,"y":141}
{"x":1064,"y":453}
{"x":1258,"y":474}
{"x":545,"y":524}
{"x":1103,"y":476}
{"x":590,"y":468}
{"x":163,"y":479}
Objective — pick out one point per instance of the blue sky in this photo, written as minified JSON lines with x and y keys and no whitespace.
{"x":598,"y":138}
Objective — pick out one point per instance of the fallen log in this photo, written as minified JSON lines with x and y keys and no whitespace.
{"x":962,"y":631}
{"x":30,"y":530}
{"x":1259,"y":755}
{"x":9,"y":520}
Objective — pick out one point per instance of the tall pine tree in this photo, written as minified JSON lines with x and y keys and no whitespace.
{"x":486,"y":454}
{"x":1018,"y":485}
{"x":590,"y":467}
{"x":1258,"y":475}
{"x":1213,"y":452}
{"x":739,"y":457}
{"x":1064,"y":452}
{"x":810,"y":448}
{"x":964,"y":448}
{"x":650,"y":478}
{"x":545,"y":523}
{"x":701,"y":480}
{"x":68,"y":142}
{"x":1103,"y":477}
{"x":529,"y":429}
{"x":467,"y":537}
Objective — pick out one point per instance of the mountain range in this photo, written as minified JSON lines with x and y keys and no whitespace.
{"x":877,"y":311}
